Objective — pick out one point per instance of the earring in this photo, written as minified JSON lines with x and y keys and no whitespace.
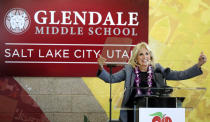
{"x":150,"y":62}
{"x":135,"y":61}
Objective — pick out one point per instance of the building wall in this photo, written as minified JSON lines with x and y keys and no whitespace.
{"x":63,"y":99}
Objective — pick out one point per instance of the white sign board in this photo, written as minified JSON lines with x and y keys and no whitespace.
{"x":161,"y":115}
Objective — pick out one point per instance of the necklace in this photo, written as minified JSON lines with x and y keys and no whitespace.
{"x":138,"y":80}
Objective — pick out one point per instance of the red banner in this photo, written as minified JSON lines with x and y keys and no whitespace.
{"x":65,"y":38}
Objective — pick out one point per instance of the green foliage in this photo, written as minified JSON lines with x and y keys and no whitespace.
{"x":86,"y":119}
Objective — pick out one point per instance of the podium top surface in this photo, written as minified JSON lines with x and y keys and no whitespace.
{"x":187,"y":97}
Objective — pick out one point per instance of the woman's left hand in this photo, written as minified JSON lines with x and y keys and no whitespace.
{"x":202,"y":59}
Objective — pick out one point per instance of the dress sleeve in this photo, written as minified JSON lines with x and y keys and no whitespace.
{"x":116,"y":77}
{"x":181,"y":75}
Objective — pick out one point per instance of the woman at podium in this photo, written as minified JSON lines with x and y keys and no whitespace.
{"x":141,"y":71}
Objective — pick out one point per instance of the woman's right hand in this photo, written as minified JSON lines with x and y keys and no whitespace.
{"x":202,"y":59}
{"x":101,"y":62}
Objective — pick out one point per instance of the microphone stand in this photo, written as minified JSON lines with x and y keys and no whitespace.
{"x":110,"y":98}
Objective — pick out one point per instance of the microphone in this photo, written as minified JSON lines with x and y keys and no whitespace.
{"x":111,"y":65}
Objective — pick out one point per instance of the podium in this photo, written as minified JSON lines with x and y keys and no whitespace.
{"x":168,"y":98}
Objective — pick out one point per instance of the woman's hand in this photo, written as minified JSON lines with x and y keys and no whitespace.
{"x":202,"y":59}
{"x":101,"y":62}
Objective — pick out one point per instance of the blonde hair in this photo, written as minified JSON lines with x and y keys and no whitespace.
{"x":135,"y":52}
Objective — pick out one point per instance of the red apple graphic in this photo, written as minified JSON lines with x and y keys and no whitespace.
{"x":156,"y":119}
{"x":159,"y":117}
{"x":166,"y":119}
